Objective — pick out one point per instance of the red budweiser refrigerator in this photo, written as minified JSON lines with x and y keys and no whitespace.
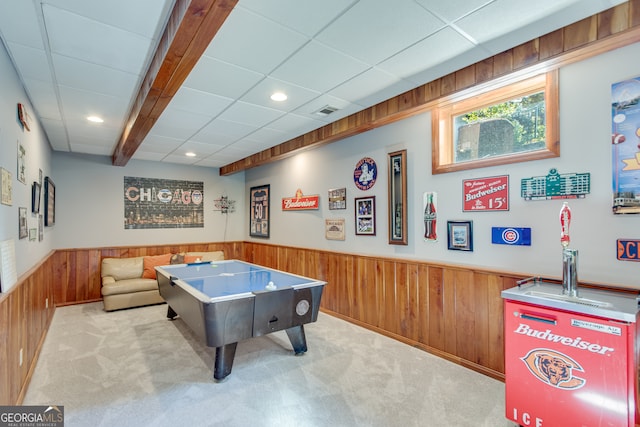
{"x":570,"y":360}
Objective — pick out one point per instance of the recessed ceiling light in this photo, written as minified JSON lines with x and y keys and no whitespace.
{"x":95,"y":119}
{"x":279,"y":96}
{"x":190,"y":154}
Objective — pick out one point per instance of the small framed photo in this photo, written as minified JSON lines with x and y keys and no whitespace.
{"x":338,"y":198}
{"x":259,"y":214}
{"x":22,"y":223}
{"x":49,"y":202}
{"x":460,"y":235}
{"x":365,"y":208}
{"x":334,"y":229}
{"x":35,"y":197}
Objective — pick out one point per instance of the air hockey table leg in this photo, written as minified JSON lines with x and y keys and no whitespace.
{"x":224,"y":361}
{"x":171,"y":315}
{"x":298,"y":339}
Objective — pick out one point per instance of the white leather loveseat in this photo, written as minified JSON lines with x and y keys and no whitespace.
{"x":131,"y":282}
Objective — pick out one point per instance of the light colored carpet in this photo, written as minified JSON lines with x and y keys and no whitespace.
{"x":136,"y":368}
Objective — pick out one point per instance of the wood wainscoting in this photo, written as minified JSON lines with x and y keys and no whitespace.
{"x":26,"y":311}
{"x":453,"y":311}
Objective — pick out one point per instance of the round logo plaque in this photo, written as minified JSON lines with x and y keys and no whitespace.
{"x":365,"y":173}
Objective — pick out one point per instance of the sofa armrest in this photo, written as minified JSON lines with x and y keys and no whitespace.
{"x":108,"y":280}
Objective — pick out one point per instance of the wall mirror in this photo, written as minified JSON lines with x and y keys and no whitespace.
{"x":398,"y":197}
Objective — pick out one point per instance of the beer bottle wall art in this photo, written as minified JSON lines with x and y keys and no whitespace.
{"x":429,"y":200}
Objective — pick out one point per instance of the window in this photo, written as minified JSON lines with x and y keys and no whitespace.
{"x":514,"y":122}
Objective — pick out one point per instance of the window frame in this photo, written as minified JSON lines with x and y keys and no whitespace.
{"x":442,"y":116}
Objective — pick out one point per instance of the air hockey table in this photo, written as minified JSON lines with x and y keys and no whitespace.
{"x":224,"y":302}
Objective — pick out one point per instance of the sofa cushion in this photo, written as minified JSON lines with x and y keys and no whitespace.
{"x":151,"y":262}
{"x":122,"y":268}
{"x":183,"y":258}
{"x":127,"y":286}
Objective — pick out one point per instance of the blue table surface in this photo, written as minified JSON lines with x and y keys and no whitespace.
{"x":225,"y":278}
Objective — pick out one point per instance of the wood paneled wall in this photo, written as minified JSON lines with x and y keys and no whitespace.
{"x":455,"y":312}
{"x":451,"y":311}
{"x":69,"y":276}
{"x":78,"y":270}
{"x":24,"y":321}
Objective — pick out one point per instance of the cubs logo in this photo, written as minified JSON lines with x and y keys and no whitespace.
{"x":554,"y":368}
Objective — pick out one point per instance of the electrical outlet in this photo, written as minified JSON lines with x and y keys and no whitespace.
{"x":20,"y":357}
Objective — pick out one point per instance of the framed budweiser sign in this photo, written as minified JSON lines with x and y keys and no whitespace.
{"x":486,"y":194}
{"x":300,"y":202}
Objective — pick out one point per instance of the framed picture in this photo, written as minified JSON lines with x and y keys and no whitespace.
{"x":259,"y":215}
{"x":334,"y":228}
{"x":22,"y":163}
{"x":460,"y":235}
{"x":365,"y":208}
{"x":338,"y":198}
{"x":398,"y":197}
{"x":22,"y":223}
{"x":35,"y":197}
{"x":6,"y":187}
{"x":49,"y":202}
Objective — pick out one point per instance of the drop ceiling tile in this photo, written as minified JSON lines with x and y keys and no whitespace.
{"x":297,"y":96}
{"x":211,"y":162}
{"x":222,"y":132}
{"x":452,"y":10}
{"x":291,"y":125}
{"x":344,"y":108}
{"x":303,"y":16}
{"x":375,"y":81}
{"x":56,"y":134}
{"x":141,"y":154}
{"x":32,"y":63}
{"x":144,"y":17}
{"x":430,"y":52}
{"x":93,"y":77}
{"x":250,"y":114}
{"x":507,"y":16}
{"x":99,"y":150}
{"x":199,"y":102}
{"x":77,"y":104}
{"x":91,"y":41}
{"x":319,"y":68}
{"x":21,"y":25}
{"x":180,"y":159}
{"x":390,"y":27}
{"x":266,"y":137}
{"x":200,"y":149}
{"x":160,"y":144}
{"x":222,"y":79}
{"x":178,"y":124}
{"x":44,"y":98}
{"x":244,"y":31}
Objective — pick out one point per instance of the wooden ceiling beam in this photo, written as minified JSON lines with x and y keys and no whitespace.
{"x":189,"y":30}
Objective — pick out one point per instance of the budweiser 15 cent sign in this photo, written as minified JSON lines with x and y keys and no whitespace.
{"x":300,"y":202}
{"x":486,"y":194}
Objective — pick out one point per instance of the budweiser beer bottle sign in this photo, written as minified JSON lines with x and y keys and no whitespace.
{"x":430,"y":215}
{"x":565,"y":221}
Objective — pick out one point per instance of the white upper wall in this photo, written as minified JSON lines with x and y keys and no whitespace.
{"x":585,"y":128}
{"x":90,"y":203}
{"x":38,"y":157}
